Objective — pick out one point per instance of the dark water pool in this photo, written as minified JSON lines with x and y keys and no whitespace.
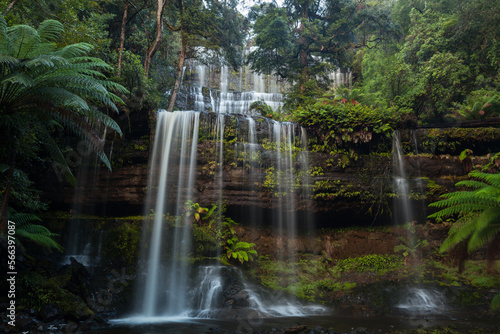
{"x":337,"y":323}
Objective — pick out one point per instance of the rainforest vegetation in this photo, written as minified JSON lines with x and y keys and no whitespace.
{"x":70,"y":68}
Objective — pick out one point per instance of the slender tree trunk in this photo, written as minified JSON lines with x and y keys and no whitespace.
{"x":159,"y":28}
{"x":6,"y":194}
{"x":303,"y":55}
{"x":9,"y":8}
{"x":178,"y":79}
{"x":492,"y":254}
{"x":122,"y":38}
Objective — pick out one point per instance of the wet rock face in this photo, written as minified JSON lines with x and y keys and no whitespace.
{"x":333,"y":187}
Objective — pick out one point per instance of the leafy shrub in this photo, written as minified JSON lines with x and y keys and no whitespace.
{"x":348,"y":125}
{"x":372,"y":262}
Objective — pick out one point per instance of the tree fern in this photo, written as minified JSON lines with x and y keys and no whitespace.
{"x":40,"y":83}
{"x":28,"y":230}
{"x":59,"y":81}
{"x":479,"y":210}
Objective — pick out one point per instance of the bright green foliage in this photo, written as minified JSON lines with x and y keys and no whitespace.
{"x":347,"y":124}
{"x":440,"y":59}
{"x":479,"y":210}
{"x":197,"y":212}
{"x":373,"y":262}
{"x":26,"y":229}
{"x":240,"y":250}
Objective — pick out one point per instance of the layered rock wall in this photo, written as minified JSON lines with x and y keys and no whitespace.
{"x":343,"y":186}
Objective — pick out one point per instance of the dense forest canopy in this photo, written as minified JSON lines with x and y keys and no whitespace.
{"x":435,"y":57}
{"x":415,"y":61}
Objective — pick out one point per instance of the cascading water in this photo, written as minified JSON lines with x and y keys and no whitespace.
{"x":173,"y":166}
{"x":81,"y":242}
{"x":286,"y":222}
{"x":403,"y":210}
{"x":415,"y":300}
{"x":422,"y":301}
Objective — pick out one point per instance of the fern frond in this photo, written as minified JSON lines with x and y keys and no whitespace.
{"x":493,"y":179}
{"x":57,"y":157}
{"x":50,"y":30}
{"x":22,"y":218}
{"x":471,"y":184}
{"x":34,"y":232}
{"x":24,"y":40}
{"x":60,"y":97}
{"x":17,"y":78}
{"x":460,"y":208}
{"x":46,"y":62}
{"x":97,"y":117}
{"x":4,"y":37}
{"x":457,"y":235}
{"x":40,"y":235}
{"x":487,"y":227}
{"x":75,"y":51}
{"x":8,"y":61}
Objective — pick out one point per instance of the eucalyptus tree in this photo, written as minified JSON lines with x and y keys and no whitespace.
{"x":44,"y":88}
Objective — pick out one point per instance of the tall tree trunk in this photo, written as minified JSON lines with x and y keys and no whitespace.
{"x":159,"y":28}
{"x":9,"y":8}
{"x":6,"y":194}
{"x":179,"y":73}
{"x":303,"y":55}
{"x":122,"y":37}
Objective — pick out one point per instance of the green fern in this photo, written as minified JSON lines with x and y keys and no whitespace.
{"x":26,"y":229}
{"x":40,"y":82}
{"x":479,"y":210}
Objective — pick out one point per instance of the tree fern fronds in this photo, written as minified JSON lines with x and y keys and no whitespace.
{"x":34,"y":232}
{"x":490,"y":192}
{"x":22,"y":218}
{"x":96,"y":62}
{"x":50,"y":30}
{"x":57,"y":157}
{"x":4,"y":37}
{"x":458,"y":235}
{"x":493,"y":179}
{"x":459,"y":208}
{"x":98,"y":117}
{"x":471,"y":184}
{"x":75,"y":51}
{"x":116,"y":87}
{"x":39,"y":235}
{"x":24,"y":41}
{"x":8,"y":61}
{"x":17,"y":78}
{"x":480,"y":207}
{"x":60,"y":97}
{"x":482,"y":237}
{"x":476,"y":196}
{"x":44,"y":62}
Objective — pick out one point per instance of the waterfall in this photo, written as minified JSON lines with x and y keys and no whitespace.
{"x":405,"y":179}
{"x":421,"y":301}
{"x":82,"y":242}
{"x":403,"y":210}
{"x":284,"y":137}
{"x":165,"y":282}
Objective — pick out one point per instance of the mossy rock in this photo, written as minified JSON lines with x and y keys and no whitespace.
{"x":39,"y":291}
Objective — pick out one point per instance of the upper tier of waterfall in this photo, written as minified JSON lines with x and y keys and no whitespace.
{"x":221,"y":89}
